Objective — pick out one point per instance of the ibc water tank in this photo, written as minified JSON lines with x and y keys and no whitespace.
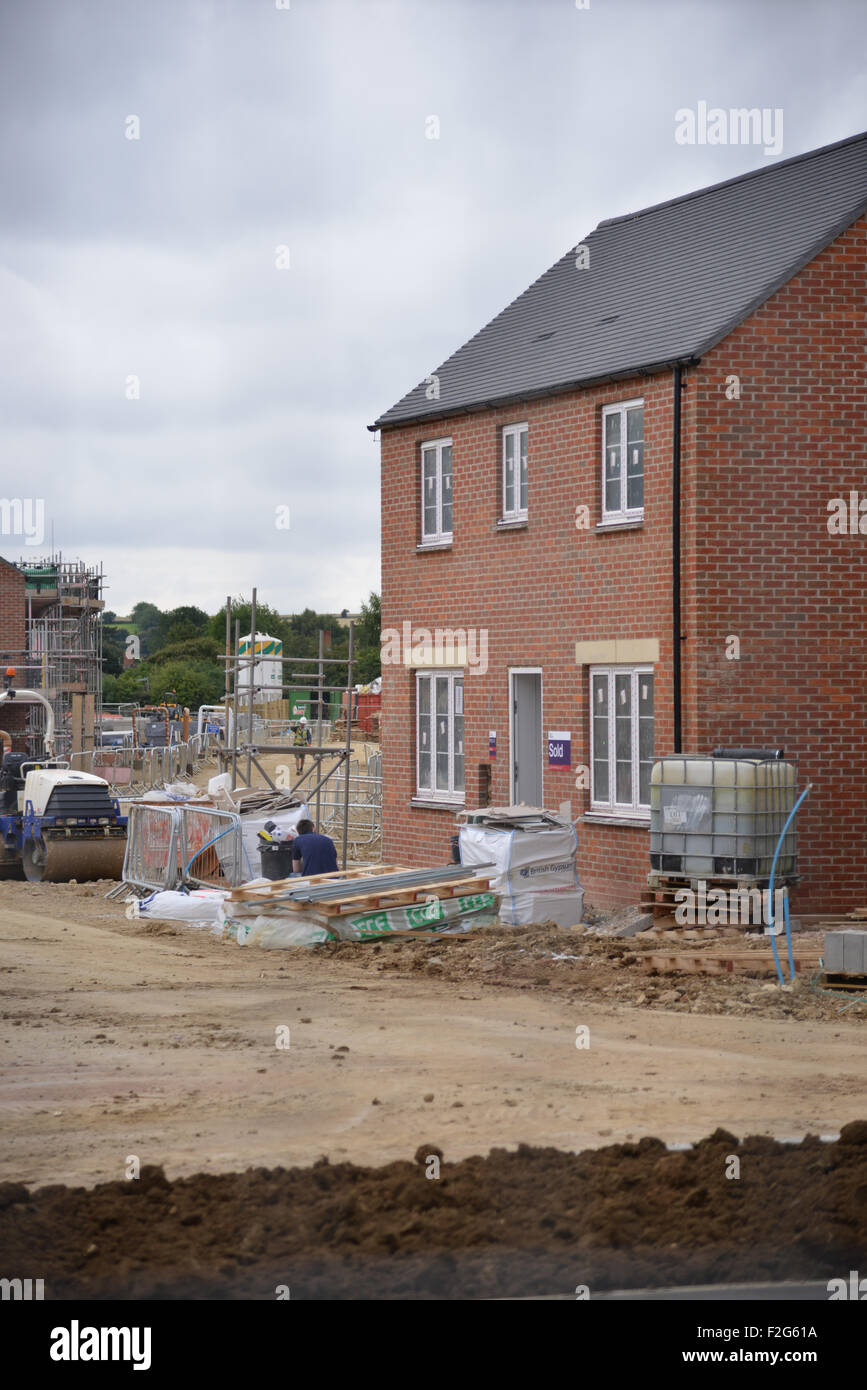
{"x":720,"y":818}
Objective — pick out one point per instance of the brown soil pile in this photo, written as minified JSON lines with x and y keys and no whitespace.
{"x":549,"y":959}
{"x":536,"y":1221}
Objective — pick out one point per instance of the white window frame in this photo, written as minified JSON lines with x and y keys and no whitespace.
{"x":431,"y":792}
{"x":622,"y":513}
{"x":516,"y":513}
{"x":438,"y":537}
{"x":635,"y":809}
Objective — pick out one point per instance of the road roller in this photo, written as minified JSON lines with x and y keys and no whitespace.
{"x":56,"y":823}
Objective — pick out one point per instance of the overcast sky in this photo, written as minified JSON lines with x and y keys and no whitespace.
{"x":307,"y":127}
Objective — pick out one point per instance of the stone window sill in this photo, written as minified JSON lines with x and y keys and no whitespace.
{"x":520,"y":523}
{"x":418,"y":803}
{"x":611,"y":818}
{"x":631,"y":525}
{"x":433,"y":545}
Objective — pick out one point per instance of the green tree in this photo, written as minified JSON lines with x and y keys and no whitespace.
{"x":149,"y":623}
{"x":130,"y":685}
{"x":194,"y":649}
{"x":368,"y":627}
{"x":113,"y":646}
{"x":195,"y":683}
{"x":185,"y":622}
{"x":267,"y":620}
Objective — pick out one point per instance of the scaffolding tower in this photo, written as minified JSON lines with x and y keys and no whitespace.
{"x":63,"y":656}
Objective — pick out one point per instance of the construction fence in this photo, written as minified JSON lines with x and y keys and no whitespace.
{"x":364,"y":839}
{"x":142,"y":769}
{"x":182,"y":846}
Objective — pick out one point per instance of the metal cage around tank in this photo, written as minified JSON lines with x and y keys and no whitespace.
{"x":720,"y":817}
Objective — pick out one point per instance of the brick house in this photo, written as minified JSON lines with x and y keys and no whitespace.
{"x":631,"y":505}
{"x":13,"y":645}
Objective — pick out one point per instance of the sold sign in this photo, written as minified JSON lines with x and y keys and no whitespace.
{"x":560,"y":749}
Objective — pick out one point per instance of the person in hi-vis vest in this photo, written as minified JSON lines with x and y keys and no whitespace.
{"x":301,"y":737}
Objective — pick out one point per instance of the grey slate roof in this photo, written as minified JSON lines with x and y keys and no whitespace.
{"x":663,"y":285}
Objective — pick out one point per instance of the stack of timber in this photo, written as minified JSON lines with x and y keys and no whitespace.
{"x":325,"y":899}
{"x":726,"y":960}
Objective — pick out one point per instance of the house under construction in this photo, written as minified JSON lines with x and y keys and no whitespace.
{"x":51,"y":633}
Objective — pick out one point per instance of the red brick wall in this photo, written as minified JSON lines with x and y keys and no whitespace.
{"x":13,"y":637}
{"x":757,"y":562}
{"x":765,"y":569}
{"x":536,"y":592}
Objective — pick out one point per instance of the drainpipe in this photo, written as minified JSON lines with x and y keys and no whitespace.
{"x":675,"y":566}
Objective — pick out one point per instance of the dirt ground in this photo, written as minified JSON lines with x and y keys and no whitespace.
{"x":158,"y":1040}
{"x":161,"y":1045}
{"x":510,"y":1225}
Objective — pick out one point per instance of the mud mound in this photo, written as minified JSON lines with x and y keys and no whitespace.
{"x":511,"y":1224}
{"x":547,"y":959}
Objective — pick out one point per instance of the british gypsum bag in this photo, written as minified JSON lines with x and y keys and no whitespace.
{"x":527,"y":864}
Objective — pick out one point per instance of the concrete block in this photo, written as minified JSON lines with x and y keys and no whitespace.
{"x":845,"y":952}
{"x":855,"y":952}
{"x":633,"y":928}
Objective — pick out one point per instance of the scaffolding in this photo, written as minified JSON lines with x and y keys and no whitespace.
{"x":242,"y":754}
{"x":63,"y":654}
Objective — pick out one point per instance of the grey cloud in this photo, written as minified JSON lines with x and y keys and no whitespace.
{"x":306,"y":127}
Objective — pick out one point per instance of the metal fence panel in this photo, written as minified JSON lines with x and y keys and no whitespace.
{"x":152,"y":847}
{"x":211,"y":850}
{"x":365,"y":812}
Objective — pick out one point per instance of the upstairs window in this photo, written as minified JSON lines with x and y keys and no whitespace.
{"x":623,"y":462}
{"x":436,"y":491}
{"x":515,"y":473}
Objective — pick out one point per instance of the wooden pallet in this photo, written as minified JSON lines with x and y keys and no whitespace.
{"x":664,"y":882}
{"x":402,"y":897}
{"x":361,"y":895}
{"x":722,"y":962}
{"x":660,"y":903}
{"x":660,"y":900}
{"x":845,"y":984}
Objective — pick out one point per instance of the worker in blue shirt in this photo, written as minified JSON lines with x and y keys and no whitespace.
{"x":312,"y":853}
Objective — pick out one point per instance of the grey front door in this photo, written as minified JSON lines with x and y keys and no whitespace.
{"x":527,"y":738}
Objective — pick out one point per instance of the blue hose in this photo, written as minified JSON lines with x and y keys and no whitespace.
{"x":790,"y":818}
{"x":201,"y":850}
